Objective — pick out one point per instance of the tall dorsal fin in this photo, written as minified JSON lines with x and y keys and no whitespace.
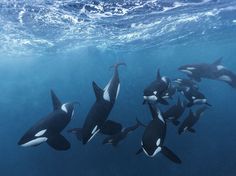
{"x":56,"y":103}
{"x":218,"y":61}
{"x":158,"y":74}
{"x":98,"y":91}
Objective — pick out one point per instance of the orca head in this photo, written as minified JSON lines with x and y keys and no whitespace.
{"x":151,"y":147}
{"x":150,"y":94}
{"x":68,"y":108}
{"x":89,"y":133}
{"x":33,"y":138}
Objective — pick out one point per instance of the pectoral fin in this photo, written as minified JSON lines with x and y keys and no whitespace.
{"x":110,"y":128}
{"x":139,"y":151}
{"x":170,"y":155}
{"x":58,"y":142}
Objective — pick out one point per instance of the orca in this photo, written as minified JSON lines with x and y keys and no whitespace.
{"x":175,"y":112}
{"x":117,"y":138}
{"x":204,"y":70}
{"x":191,"y":120}
{"x":49,"y":128}
{"x":185,"y":83}
{"x":154,"y":136}
{"x":194,"y":97}
{"x":96,"y":120}
{"x":154,"y":92}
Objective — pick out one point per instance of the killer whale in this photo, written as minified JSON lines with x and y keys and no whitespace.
{"x":156,"y":90}
{"x":175,"y":112}
{"x":203,"y":70}
{"x":191,"y":120}
{"x":48,"y":129}
{"x":154,"y":135}
{"x":96,"y":120}
{"x":117,"y":138}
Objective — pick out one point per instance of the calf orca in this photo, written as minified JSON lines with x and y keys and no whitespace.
{"x":194,"y":96}
{"x":49,"y":128}
{"x":204,"y":70}
{"x":154,"y":92}
{"x":191,"y":120}
{"x":117,"y":138}
{"x":154,"y":136}
{"x":96,"y":120}
{"x":175,"y":112}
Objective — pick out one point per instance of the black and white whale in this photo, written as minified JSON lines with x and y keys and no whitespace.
{"x":96,"y":120}
{"x":191,"y":120}
{"x":175,"y":112}
{"x":49,"y":128}
{"x":117,"y":138}
{"x":185,"y":83}
{"x":156,"y":90}
{"x":203,"y":70}
{"x":194,"y":96}
{"x":154,"y":136}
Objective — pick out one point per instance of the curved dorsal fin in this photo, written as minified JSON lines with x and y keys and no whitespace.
{"x":158,"y":74}
{"x":56,"y":103}
{"x":98,"y":91}
{"x":218,"y":61}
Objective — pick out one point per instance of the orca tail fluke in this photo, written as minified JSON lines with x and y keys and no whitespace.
{"x":118,"y":64}
{"x":170,"y":155}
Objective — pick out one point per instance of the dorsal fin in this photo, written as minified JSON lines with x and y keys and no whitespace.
{"x":56,"y":103}
{"x":218,"y":61}
{"x":98,"y":91}
{"x":158,"y":74}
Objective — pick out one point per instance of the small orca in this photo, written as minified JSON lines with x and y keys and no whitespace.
{"x":96,"y":120}
{"x":117,"y":138}
{"x":194,"y":96}
{"x":204,"y":70}
{"x":49,"y":128}
{"x":154,"y":136}
{"x":191,"y":120}
{"x":155,"y":91}
{"x":185,"y":83}
{"x":175,"y":112}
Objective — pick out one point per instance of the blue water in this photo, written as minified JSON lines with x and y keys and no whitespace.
{"x":65,"y":45}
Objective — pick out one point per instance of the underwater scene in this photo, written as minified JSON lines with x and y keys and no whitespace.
{"x":118,"y":87}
